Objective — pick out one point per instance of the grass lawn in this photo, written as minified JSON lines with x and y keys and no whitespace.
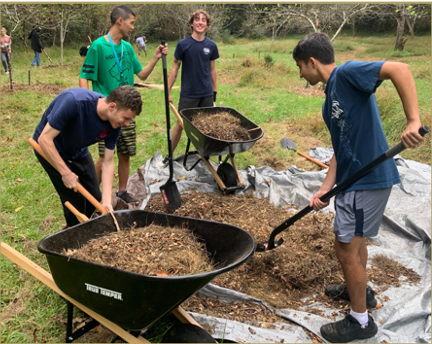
{"x":265,"y":89}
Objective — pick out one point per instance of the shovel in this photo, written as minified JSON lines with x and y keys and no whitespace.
{"x":49,"y":58}
{"x":289,"y":144}
{"x":390,"y":153}
{"x":170,"y":193}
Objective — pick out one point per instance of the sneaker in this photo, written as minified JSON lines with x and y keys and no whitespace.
{"x":6,"y":72}
{"x":32,"y":65}
{"x":340,"y":292}
{"x":348,"y":329}
{"x":126,"y":197}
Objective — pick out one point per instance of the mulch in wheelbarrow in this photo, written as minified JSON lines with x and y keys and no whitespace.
{"x":151,"y":250}
{"x":291,"y":276}
{"x":221,"y":126}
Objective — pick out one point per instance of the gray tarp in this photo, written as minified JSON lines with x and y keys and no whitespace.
{"x":405,"y":235}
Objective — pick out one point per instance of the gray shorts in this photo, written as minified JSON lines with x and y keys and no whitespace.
{"x":359,"y":213}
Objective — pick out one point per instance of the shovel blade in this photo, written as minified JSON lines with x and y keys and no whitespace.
{"x":288,"y":144}
{"x":171,"y":195}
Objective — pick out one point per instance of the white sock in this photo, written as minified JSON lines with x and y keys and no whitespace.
{"x":362,"y":318}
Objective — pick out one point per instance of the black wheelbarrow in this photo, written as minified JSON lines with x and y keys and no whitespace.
{"x":226,"y":176}
{"x":131,"y":300}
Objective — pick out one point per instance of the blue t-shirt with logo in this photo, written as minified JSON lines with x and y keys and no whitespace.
{"x":351,"y":113}
{"x":73,"y":113}
{"x":196,"y":56}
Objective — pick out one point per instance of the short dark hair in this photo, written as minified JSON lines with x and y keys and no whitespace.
{"x":126,"y":97}
{"x":316,"y":45}
{"x":196,"y":14}
{"x":121,"y":11}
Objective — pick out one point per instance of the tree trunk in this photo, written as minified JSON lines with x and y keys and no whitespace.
{"x":61,"y":38}
{"x":400,"y":40}
{"x":353,"y":26}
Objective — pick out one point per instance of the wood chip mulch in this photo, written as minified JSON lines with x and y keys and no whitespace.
{"x":291,"y":276}
{"x":152,"y":250}
{"x":222,"y":126}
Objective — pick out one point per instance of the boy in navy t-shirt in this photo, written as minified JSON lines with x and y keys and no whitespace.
{"x":76,"y":119}
{"x":350,"y":112}
{"x":198,"y":77}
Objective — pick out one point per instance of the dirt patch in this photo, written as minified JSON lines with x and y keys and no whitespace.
{"x":291,"y":276}
{"x":43,"y":88}
{"x":15,"y":305}
{"x":312,"y":91}
{"x":56,"y":66}
{"x":221,"y":126}
{"x":46,"y":223}
{"x":152,"y":250}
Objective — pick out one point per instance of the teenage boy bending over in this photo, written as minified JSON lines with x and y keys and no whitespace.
{"x":351,"y":114}
{"x":76,"y":119}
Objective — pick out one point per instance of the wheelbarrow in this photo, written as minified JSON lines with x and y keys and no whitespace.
{"x":226,"y":176}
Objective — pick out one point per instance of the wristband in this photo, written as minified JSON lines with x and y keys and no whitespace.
{"x":214,"y":96}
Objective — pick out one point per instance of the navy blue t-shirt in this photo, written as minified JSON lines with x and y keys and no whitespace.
{"x":73,"y":113}
{"x":196,"y":56}
{"x":352,"y":116}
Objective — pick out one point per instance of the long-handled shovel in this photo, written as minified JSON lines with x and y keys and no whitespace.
{"x":289,"y":144}
{"x":170,"y":193}
{"x":271,"y":244}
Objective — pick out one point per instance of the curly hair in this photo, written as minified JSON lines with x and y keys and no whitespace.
{"x":126,"y":97}
{"x":196,"y":14}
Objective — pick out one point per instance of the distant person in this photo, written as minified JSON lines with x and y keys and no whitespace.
{"x":111,"y":62}
{"x":141,"y":44}
{"x":198,"y":78}
{"x":36,"y":45}
{"x":351,"y":114}
{"x":6,"y":51}
{"x":76,"y":119}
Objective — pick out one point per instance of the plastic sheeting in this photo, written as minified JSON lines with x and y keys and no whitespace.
{"x":405,"y":235}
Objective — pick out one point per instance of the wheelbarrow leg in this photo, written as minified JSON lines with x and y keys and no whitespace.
{"x":70,"y":335}
{"x":231,"y":155}
{"x":213,"y":172}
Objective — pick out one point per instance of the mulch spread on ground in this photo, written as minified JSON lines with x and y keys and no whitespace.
{"x":152,"y":250}
{"x":222,"y":126}
{"x":295,"y":274}
{"x":44,"y":88}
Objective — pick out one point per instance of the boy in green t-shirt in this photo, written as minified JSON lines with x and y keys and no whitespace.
{"x":108,"y":71}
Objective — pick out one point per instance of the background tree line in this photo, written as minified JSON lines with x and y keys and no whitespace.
{"x":76,"y":24}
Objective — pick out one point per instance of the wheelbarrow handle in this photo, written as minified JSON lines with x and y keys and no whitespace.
{"x":80,"y":188}
{"x":173,"y":108}
{"x":390,"y":153}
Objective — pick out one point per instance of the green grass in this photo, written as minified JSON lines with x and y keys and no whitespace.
{"x":261,"y":93}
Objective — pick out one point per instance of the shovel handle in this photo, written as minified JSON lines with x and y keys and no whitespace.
{"x":319,"y":163}
{"x":81,"y":217}
{"x":390,"y":153}
{"x":173,"y":108}
{"x":80,"y":188}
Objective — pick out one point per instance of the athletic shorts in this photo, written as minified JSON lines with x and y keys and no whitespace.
{"x":188,"y":103}
{"x":142,"y":47}
{"x":359,"y":213}
{"x":126,"y":143}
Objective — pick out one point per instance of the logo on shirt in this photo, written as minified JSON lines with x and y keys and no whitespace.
{"x":115,"y":73}
{"x":336,"y":110}
{"x":206,"y":51}
{"x":102,"y":134}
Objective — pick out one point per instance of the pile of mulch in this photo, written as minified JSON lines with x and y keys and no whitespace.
{"x":43,"y":88}
{"x":292,"y":276}
{"x":152,"y":250}
{"x":221,"y":126}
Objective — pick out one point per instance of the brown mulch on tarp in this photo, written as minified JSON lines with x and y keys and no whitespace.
{"x":152,"y":250}
{"x":43,"y":88}
{"x":301,"y":267}
{"x":221,"y":126}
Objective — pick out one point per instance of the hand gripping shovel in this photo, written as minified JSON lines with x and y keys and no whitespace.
{"x":170,"y":193}
{"x":271,"y":244}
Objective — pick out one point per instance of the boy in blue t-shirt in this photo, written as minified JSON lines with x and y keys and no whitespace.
{"x":198,"y":77}
{"x":76,"y":119}
{"x":351,"y":114}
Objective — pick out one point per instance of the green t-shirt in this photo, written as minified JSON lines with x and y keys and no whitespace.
{"x":100,"y":66}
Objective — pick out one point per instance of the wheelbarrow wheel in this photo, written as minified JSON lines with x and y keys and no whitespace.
{"x":187,"y":333}
{"x":228,"y":175}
